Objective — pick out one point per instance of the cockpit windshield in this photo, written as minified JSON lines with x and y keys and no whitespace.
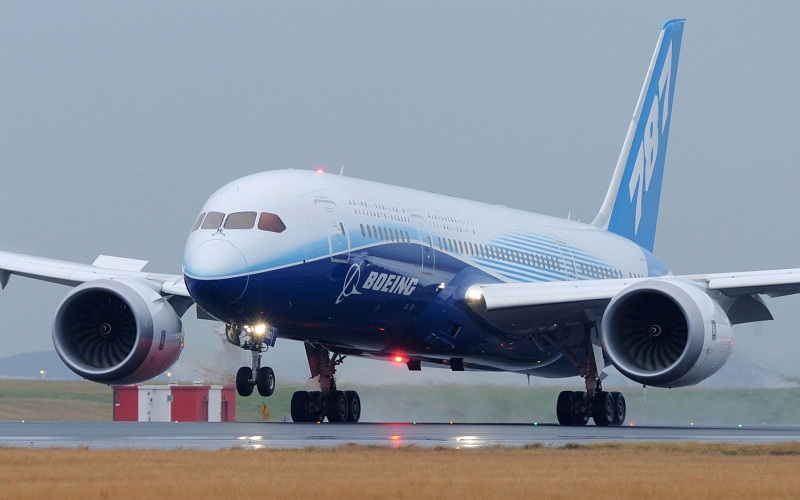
{"x":271,"y":222}
{"x":213,"y":220}
{"x":240,"y":220}
{"x":198,"y":221}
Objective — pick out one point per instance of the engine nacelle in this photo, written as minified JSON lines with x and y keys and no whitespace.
{"x":666,"y":333}
{"x":117,"y":331}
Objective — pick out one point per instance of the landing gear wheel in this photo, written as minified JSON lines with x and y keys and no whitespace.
{"x":580,"y":408}
{"x":300,"y":407}
{"x":337,"y":407}
{"x":265,"y":381}
{"x":620,"y":408}
{"x":603,"y":408}
{"x":564,"y":411}
{"x":354,"y":406}
{"x":572,"y":408}
{"x":243,"y":385}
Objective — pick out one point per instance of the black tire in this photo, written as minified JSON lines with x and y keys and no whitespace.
{"x":620,"y":408}
{"x":580,"y":408}
{"x":265,"y":381}
{"x":317,"y":408}
{"x":603,"y":408}
{"x":564,"y":411}
{"x":301,"y":400}
{"x":243,"y":385}
{"x":336,"y":407}
{"x":354,"y":405}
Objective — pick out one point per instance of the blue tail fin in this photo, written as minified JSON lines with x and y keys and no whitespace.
{"x":630,"y":208}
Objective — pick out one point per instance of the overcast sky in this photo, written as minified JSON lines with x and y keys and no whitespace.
{"x":117,"y":120}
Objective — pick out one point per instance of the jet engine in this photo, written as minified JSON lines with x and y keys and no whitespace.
{"x":666,"y":333}
{"x":117,"y":331}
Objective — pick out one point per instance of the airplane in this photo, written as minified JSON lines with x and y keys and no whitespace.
{"x":357,"y":268}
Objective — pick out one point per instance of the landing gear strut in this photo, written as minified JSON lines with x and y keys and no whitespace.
{"x":255,"y":375}
{"x":576,"y":407}
{"x":336,"y":405}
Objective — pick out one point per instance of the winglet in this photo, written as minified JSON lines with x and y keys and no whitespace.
{"x":630,"y":207}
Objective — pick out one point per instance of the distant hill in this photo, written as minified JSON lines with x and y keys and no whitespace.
{"x":28,"y":365}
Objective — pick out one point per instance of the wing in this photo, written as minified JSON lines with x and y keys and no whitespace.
{"x":526,"y":307}
{"x":73,"y":274}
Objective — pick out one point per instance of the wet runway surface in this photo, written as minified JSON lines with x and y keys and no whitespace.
{"x":213,"y":436}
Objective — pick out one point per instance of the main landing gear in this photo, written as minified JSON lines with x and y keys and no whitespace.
{"x":336,"y":405}
{"x":605,"y":408}
{"x":582,"y":346}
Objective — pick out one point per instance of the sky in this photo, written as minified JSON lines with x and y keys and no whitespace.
{"x":118,"y":120}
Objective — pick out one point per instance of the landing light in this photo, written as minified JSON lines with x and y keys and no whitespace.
{"x":258,"y":331}
{"x":474,"y":294}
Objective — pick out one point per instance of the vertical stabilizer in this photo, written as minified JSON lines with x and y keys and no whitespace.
{"x":630,"y":207}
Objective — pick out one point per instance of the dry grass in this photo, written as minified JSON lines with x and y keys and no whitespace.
{"x":605,"y":471}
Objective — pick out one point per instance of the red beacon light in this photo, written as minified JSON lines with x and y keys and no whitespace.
{"x":320,"y":170}
{"x":398,"y":359}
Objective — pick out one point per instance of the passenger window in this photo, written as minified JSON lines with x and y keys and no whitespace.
{"x":271,"y":222}
{"x":198,"y":222}
{"x":240,"y":220}
{"x":213,"y":220}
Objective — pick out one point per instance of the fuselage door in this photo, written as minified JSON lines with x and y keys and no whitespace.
{"x":567,"y":261}
{"x":338,"y":239}
{"x":428,"y":255}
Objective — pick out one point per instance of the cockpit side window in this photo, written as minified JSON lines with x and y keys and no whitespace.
{"x":240,"y":220}
{"x":213,"y":220}
{"x":271,"y":222}
{"x":198,"y":221}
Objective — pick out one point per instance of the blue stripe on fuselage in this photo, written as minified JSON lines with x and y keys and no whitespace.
{"x":378,"y":302}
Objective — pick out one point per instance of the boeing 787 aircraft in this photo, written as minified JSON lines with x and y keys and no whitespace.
{"x":356,"y":268}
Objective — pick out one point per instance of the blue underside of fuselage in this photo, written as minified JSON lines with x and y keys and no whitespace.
{"x":378,"y":301}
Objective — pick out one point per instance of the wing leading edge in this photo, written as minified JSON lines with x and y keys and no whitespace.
{"x":515,"y":306}
{"x":74,"y":274}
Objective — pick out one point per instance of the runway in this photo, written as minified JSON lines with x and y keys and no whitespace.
{"x":214,"y":436}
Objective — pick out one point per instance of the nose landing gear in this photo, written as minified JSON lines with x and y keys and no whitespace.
{"x":255,"y":375}
{"x":260,"y":377}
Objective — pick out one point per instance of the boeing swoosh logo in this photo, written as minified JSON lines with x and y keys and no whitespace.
{"x":349,"y":287}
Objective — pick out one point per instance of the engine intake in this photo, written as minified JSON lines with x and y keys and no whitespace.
{"x":666,"y":333}
{"x":117,"y":331}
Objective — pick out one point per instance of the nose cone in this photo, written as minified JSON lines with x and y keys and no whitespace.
{"x":215,"y":273}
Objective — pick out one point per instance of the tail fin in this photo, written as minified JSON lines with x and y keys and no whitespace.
{"x":630,"y":207}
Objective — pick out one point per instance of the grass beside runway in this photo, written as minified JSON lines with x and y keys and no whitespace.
{"x":503,"y":404}
{"x":597,"y":471}
{"x":65,"y":400}
{"x":22,"y":399}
